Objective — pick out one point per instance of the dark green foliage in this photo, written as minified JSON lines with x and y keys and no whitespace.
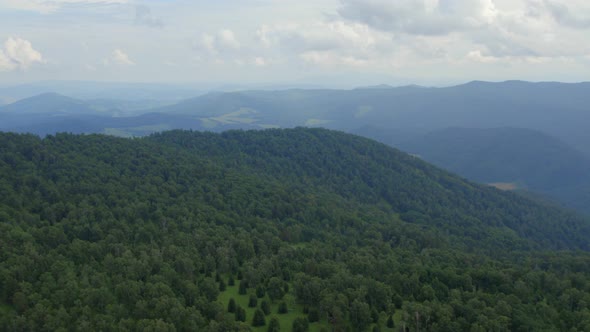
{"x":231,"y":306}
{"x":376,"y":328}
{"x":283,"y":308}
{"x":231,"y":281}
{"x":100,"y":233}
{"x":274,"y":325}
{"x":275,"y":289}
{"x":265,"y":306}
{"x":313,"y":315}
{"x":360,"y":315}
{"x":374,"y":315}
{"x":390,"y":322}
{"x":300,"y":325}
{"x":422,"y":194}
{"x":252,"y":301}
{"x":260,"y":292}
{"x":258,"y":319}
{"x":222,"y":285}
{"x":243,"y":288}
{"x":240,"y":314}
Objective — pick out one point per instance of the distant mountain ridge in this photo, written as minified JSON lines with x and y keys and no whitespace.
{"x":393,"y":115}
{"x":527,"y":158}
{"x":48,"y":103}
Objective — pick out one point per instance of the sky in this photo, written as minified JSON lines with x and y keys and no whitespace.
{"x":329,"y":42}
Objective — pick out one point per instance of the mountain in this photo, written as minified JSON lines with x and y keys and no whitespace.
{"x":520,"y":158}
{"x":557,"y":109}
{"x":49,"y":104}
{"x":50,"y":113}
{"x":303,"y":226}
{"x":103,"y":90}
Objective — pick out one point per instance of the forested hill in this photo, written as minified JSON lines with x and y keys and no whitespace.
{"x":367,"y":172}
{"x":318,"y":228}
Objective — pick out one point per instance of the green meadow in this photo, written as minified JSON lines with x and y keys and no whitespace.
{"x":285,"y":320}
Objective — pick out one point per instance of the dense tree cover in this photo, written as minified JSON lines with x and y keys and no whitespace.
{"x":102,"y":233}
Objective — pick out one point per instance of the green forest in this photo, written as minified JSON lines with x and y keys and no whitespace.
{"x":273,"y":230}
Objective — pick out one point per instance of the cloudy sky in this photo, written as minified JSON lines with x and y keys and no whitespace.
{"x":352,"y":42}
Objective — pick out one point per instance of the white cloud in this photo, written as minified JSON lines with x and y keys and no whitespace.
{"x":119,"y":57}
{"x":327,"y":43}
{"x":143,"y":16}
{"x":18,"y":53}
{"x":260,"y":61}
{"x":332,"y":59}
{"x":510,"y":29}
{"x":223,"y":42}
{"x":478,"y":56}
{"x":420,"y":17}
{"x":566,"y":16}
{"x":404,"y":38}
{"x":227,"y":39}
{"x":50,"y":6}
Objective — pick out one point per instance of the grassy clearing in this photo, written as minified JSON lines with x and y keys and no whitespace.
{"x":285,"y":320}
{"x":5,"y":308}
{"x":507,"y":186}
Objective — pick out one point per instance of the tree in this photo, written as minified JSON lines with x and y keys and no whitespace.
{"x":222,"y":285}
{"x":374,"y":315}
{"x":265,"y":306}
{"x":253,"y":301}
{"x":313,"y":315}
{"x":390,"y":322}
{"x":300,"y":325}
{"x":274,"y":325}
{"x":283,"y":308}
{"x":240,"y":314}
{"x":258,"y":319}
{"x":231,"y":306}
{"x":275,"y":289}
{"x":360,"y":315}
{"x":260,"y":291}
{"x":243,"y":288}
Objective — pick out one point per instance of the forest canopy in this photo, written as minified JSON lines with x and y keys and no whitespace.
{"x":303,"y":229}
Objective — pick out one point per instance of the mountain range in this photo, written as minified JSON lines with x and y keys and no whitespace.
{"x":408,"y":117}
{"x":558,"y":109}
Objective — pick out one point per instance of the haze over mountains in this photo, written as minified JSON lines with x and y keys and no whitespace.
{"x":512,"y":158}
{"x":550,"y":158}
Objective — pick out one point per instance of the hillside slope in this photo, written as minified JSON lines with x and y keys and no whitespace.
{"x":107,"y":233}
{"x":529,"y":159}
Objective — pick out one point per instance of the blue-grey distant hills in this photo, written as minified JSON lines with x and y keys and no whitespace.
{"x":549,"y":158}
{"x":512,"y":159}
{"x":558,"y":109}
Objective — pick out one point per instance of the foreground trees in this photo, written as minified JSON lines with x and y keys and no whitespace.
{"x":100,"y":233}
